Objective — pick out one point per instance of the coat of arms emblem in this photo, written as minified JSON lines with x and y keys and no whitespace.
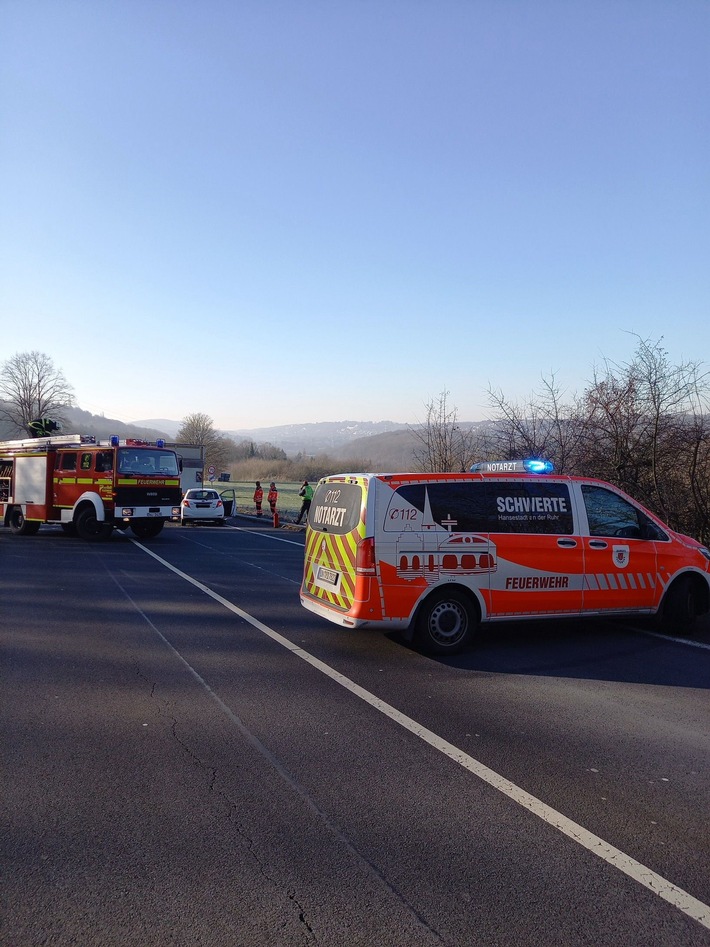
{"x":620,"y":555}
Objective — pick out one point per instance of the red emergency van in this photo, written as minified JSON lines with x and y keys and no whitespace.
{"x":440,"y":553}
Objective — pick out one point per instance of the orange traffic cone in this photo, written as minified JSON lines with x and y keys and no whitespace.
{"x":276,"y":520}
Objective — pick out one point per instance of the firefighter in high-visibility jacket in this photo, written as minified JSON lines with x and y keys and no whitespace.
{"x":258,"y":497}
{"x":306,"y":492}
{"x":272,"y":496}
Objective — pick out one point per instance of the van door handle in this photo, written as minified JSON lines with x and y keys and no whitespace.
{"x":598,"y":544}
{"x":567,"y":543}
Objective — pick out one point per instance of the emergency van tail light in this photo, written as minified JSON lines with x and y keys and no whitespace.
{"x":365,"y":557}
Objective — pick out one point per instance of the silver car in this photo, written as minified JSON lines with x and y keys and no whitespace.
{"x":202,"y":506}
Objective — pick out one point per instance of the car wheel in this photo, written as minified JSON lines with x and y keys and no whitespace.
{"x":445,"y":622}
{"x":89,"y":527}
{"x":147,"y":530}
{"x":20,"y":525}
{"x":680,"y":606}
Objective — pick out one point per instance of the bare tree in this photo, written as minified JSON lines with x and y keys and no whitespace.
{"x":30,"y":388}
{"x":443,"y":444}
{"x":199,"y":429}
{"x":546,"y":426}
{"x":643,"y":425}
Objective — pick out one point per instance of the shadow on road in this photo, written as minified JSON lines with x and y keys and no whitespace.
{"x":590,"y":649}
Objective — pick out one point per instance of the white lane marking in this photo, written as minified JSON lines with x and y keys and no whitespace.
{"x":629,"y":866}
{"x":259,"y":532}
{"x":688,"y":641}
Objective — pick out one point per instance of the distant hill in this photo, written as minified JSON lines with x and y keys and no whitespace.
{"x":377,"y":445}
{"x":161,"y":424}
{"x":322,"y":437}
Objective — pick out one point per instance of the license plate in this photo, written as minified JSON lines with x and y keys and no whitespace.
{"x":327,"y":579}
{"x":203,"y":506}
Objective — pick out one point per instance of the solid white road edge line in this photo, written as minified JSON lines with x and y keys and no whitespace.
{"x":645,"y":876}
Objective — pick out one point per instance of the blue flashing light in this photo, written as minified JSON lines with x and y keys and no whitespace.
{"x":534,"y":465}
{"x":114,"y":441}
{"x":160,"y":442}
{"x":531,"y":465}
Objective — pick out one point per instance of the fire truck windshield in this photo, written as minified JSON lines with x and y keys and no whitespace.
{"x":144,"y":461}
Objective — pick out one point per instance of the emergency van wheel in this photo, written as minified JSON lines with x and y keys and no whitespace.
{"x":20,"y":526}
{"x":147,"y":530}
{"x":89,"y":527}
{"x":680,"y":606}
{"x":445,"y":623}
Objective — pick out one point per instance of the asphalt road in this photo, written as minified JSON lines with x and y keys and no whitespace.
{"x":190,"y":758}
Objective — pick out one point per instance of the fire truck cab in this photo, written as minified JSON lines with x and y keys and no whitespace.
{"x":88,"y":487}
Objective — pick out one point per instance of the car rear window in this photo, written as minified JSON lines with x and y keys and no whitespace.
{"x":335,"y":507}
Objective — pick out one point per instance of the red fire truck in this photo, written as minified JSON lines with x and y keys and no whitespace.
{"x":88,"y":487}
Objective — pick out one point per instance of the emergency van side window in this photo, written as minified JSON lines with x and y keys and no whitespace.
{"x":609,"y":514}
{"x":455,"y":507}
{"x":335,"y":507}
{"x":530,"y":506}
{"x":67,"y":461}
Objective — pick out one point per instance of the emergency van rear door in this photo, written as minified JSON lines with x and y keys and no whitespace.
{"x":334,"y":530}
{"x":620,"y":554}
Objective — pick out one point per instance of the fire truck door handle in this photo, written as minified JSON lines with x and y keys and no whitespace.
{"x":567,"y":543}
{"x":597,"y":544}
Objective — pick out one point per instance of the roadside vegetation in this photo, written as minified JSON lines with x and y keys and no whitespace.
{"x":642,"y":425}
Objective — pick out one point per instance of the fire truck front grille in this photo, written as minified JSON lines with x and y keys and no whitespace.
{"x":148,"y":496}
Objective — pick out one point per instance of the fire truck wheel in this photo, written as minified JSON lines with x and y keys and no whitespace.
{"x":445,"y":622}
{"x":147,"y":530}
{"x":88,"y":527}
{"x":21,"y":526}
{"x":680,"y":606}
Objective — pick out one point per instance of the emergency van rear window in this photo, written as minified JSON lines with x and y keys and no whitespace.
{"x":335,"y":507}
{"x":530,"y":506}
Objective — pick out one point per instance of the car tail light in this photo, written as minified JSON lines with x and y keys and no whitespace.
{"x":365,"y":557}
{"x":219,"y":503}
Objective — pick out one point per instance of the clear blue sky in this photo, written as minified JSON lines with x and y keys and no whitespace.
{"x":283,"y":212}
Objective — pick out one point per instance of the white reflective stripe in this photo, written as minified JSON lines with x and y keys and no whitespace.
{"x":632,"y":580}
{"x":622,"y":580}
{"x":591,"y":582}
{"x":612,"y":581}
{"x":603,"y":584}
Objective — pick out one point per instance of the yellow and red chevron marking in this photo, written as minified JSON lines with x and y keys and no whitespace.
{"x":338,"y":553}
